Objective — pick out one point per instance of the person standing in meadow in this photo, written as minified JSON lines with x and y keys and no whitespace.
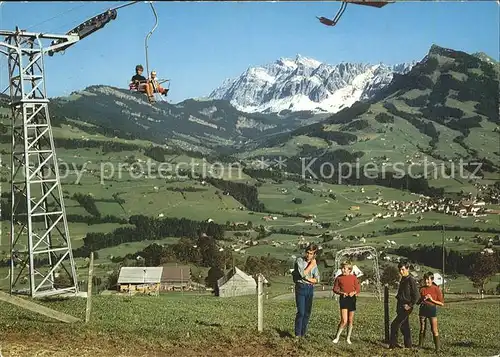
{"x":430,"y":297}
{"x":305,"y":276}
{"x":347,"y":286}
{"x":407,"y":297}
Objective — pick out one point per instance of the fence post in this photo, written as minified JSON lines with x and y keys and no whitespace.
{"x":260,"y":302}
{"x":386,"y":312}
{"x":89,"y":288}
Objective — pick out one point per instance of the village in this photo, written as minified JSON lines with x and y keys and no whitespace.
{"x":464,"y":208}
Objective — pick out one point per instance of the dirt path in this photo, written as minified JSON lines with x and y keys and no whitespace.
{"x":16,"y":344}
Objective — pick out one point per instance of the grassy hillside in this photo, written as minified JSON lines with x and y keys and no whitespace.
{"x":194,"y":325}
{"x":135,"y":184}
{"x":204,"y":126}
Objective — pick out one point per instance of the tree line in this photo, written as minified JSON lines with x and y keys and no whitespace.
{"x":479,"y":267}
{"x":391,"y":231}
{"x":88,"y":203}
{"x":455,"y":262}
{"x":202,"y":251}
{"x":5,"y":206}
{"x":247,"y":195}
{"x":147,"y":228}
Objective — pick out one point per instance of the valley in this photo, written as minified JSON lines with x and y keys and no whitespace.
{"x":205,"y":161}
{"x":164,"y":211}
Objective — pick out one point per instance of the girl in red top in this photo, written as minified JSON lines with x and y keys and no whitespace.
{"x":430,"y":297}
{"x":347,"y":286}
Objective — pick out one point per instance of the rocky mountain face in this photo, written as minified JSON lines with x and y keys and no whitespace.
{"x":304,"y":84}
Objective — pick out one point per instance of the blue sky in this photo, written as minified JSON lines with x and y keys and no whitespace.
{"x":198,"y":45}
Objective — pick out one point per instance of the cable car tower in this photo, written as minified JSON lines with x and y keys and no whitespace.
{"x":39,"y":236}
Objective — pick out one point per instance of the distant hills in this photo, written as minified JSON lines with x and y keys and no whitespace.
{"x":192,"y":125}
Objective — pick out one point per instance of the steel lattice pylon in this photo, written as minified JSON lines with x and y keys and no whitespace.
{"x":40,"y":241}
{"x":361,"y":250}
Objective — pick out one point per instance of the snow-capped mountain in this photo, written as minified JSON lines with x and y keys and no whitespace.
{"x":305,"y":84}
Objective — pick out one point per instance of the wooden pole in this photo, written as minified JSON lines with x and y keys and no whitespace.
{"x":39,"y":309}
{"x":89,"y":288}
{"x":260,"y":302}
{"x":444,"y":260}
{"x":386,"y":313}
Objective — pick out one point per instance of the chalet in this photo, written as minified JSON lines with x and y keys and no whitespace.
{"x":236,"y":283}
{"x":139,"y":279}
{"x":175,"y":278}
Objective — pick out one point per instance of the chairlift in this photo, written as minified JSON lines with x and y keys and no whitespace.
{"x":328,"y":22}
{"x":156,"y":84}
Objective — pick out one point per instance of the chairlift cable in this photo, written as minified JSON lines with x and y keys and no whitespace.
{"x":102,"y":10}
{"x":116,"y":7}
{"x":74,"y":22}
{"x":124,"y":5}
{"x":57,"y":16}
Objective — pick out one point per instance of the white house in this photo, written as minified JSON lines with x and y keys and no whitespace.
{"x":236,"y":283}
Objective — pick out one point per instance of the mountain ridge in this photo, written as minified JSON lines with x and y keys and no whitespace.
{"x":304,"y":83}
{"x":445,"y":108}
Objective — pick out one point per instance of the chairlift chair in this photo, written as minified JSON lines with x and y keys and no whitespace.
{"x":133,"y":87}
{"x":328,"y":22}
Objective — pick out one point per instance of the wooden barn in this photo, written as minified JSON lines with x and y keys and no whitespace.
{"x":236,"y":283}
{"x":140,"y":279}
{"x":176,"y":277}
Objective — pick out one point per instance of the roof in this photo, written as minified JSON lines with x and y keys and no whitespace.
{"x":466,"y":202}
{"x":140,"y":275}
{"x":176,"y":273}
{"x":355,"y":270}
{"x":235,"y":272}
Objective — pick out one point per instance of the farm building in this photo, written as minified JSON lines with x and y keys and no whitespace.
{"x":236,"y":283}
{"x":139,"y":279}
{"x":176,"y":277}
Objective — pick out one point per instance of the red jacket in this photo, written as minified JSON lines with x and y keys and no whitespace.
{"x":434,"y":291}
{"x":346,"y":284}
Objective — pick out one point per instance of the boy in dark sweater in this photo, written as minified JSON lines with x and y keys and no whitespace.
{"x":140,"y":83}
{"x":407,"y":297}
